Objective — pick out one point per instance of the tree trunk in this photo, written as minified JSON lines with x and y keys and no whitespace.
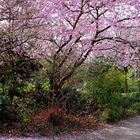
{"x":55,"y":92}
{"x":139,"y":86}
{"x":126,"y":80}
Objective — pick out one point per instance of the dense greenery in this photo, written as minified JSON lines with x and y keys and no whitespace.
{"x":66,"y":62}
{"x":104,"y":91}
{"x":97,"y":90}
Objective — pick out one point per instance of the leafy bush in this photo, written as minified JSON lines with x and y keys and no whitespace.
{"x":119,"y":106}
{"x":134,"y":109}
{"x":72,"y":102}
{"x":102,"y":91}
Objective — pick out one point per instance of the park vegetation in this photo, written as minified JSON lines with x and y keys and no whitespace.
{"x":67,"y":64}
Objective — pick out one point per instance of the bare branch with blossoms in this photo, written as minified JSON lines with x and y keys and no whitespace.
{"x":76,"y":29}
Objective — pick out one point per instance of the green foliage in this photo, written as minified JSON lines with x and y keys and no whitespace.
{"x":97,"y":90}
{"x":107,"y":82}
{"x":71,"y":99}
{"x":101,"y":89}
{"x":103,"y":92}
{"x":25,"y":118}
{"x":24,"y":108}
{"x":135,"y":107}
{"x":119,"y":106}
{"x":16,"y":72}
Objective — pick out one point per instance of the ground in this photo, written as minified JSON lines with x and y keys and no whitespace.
{"x":125,"y":130}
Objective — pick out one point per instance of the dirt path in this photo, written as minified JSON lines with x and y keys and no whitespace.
{"x":125,"y":130}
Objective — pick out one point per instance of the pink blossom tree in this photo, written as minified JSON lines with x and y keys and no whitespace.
{"x":76,"y":29}
{"x":65,"y":33}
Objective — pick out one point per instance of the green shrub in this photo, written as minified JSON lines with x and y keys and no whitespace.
{"x":25,"y":118}
{"x":134,"y":109}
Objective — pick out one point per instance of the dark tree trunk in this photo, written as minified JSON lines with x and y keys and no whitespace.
{"x":126,"y":80}
{"x":55,"y":91}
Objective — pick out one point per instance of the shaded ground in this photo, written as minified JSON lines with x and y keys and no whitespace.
{"x":124,"y":130}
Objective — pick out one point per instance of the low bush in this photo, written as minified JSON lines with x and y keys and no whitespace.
{"x":119,"y":106}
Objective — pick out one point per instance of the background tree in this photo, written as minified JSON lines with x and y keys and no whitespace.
{"x":17,"y":19}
